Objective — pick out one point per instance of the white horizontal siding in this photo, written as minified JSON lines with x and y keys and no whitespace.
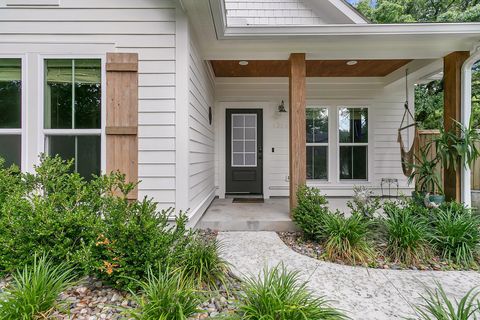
{"x":146,"y":27}
{"x":385,"y":114}
{"x":201,"y":145}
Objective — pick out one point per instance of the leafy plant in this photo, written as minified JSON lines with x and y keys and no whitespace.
{"x":347,"y":238}
{"x":310,"y":210}
{"x":437,"y":306}
{"x":35,"y":290}
{"x":364,"y":202}
{"x":408,"y":234}
{"x":279,"y":294}
{"x":457,"y":233}
{"x":202,"y":263}
{"x":165,"y":295}
{"x":426,"y":172}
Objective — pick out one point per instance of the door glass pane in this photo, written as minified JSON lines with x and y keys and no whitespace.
{"x":84,"y":150}
{"x":10,"y":149}
{"x":88,"y":94}
{"x":10,"y":93}
{"x":353,"y":162}
{"x":244,"y":140}
{"x":317,"y":162}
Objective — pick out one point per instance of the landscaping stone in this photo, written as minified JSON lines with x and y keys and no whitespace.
{"x":362,"y":293}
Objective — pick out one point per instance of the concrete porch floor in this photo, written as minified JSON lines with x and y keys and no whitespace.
{"x":272,"y":215}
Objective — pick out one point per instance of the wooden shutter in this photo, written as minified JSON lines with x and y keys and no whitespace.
{"x":122,"y":116}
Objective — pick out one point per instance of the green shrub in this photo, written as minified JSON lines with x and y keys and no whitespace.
{"x":202,"y":263}
{"x":53,"y":211}
{"x":134,"y":236}
{"x":165,"y":295}
{"x":437,"y":306}
{"x":279,"y":294}
{"x":34,"y":290}
{"x":408,"y":234}
{"x":457,"y":233}
{"x":346,"y":239}
{"x":364,"y":202}
{"x":310,"y":210}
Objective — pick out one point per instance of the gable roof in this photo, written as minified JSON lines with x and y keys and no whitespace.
{"x":243,"y":13}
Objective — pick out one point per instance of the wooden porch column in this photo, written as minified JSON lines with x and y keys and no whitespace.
{"x":297,"y":125}
{"x":452,"y":111}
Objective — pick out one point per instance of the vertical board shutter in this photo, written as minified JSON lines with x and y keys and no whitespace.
{"x":122,"y":116}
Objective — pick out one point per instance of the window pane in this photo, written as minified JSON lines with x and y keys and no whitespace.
{"x":10,"y":149}
{"x":88,"y":156}
{"x":58,"y":94}
{"x":317,"y":162}
{"x":85,"y":150}
{"x":353,"y":125}
{"x":88,"y":94}
{"x":317,"y":125}
{"x":353,"y":162}
{"x":10,"y":93}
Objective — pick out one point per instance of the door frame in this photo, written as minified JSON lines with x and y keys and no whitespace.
{"x":268,"y":108}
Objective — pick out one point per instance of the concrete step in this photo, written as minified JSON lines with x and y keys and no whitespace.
{"x":247,"y":225}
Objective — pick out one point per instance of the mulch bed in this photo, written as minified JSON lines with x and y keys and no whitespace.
{"x":313,"y":249}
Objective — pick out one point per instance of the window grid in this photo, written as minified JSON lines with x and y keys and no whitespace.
{"x":319,"y":144}
{"x":243,"y":140}
{"x":352,"y":144}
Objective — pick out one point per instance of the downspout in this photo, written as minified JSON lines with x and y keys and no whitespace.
{"x":466,"y":111}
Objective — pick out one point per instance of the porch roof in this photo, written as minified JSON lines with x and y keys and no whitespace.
{"x":326,"y":42}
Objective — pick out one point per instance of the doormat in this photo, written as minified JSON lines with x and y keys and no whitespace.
{"x":248,"y":200}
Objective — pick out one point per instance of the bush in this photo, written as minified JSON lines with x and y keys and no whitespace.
{"x":364,"y":202}
{"x":35,"y":290}
{"x":346,"y":239}
{"x":53,"y":211}
{"x":438,"y":306}
{"x":408,"y":234}
{"x":202,"y":263}
{"x":279,"y":294}
{"x":457,"y":233}
{"x":165,"y":295}
{"x":310,"y":210}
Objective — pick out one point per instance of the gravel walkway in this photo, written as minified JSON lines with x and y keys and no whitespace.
{"x":363,"y":293}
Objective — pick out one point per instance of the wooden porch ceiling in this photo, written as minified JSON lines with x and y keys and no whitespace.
{"x":315,"y":68}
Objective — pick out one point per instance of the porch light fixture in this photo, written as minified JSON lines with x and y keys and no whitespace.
{"x":281,"y":107}
{"x":243,"y":63}
{"x":352,"y":62}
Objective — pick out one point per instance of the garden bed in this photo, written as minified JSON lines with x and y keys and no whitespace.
{"x":297,"y":242}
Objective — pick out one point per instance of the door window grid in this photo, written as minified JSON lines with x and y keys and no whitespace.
{"x":244,"y":140}
{"x":11,"y":88}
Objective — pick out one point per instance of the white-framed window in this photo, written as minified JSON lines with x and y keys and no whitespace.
{"x":353,"y":143}
{"x":11,"y":110}
{"x":72,"y":112}
{"x":317,"y":143}
{"x":244,"y":140}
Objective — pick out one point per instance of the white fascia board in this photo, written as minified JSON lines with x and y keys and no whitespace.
{"x":349,"y":30}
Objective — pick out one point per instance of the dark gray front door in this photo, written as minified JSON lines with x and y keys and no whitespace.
{"x":244,"y":145}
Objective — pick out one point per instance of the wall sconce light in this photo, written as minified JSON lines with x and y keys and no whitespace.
{"x":281,"y":107}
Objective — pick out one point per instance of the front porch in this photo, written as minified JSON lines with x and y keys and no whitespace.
{"x":271,"y":215}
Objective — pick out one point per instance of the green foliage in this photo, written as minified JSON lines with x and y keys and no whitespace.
{"x":202,"y":263}
{"x":278,"y":294}
{"x":346,"y":239}
{"x":91,"y":224}
{"x":310,"y":210}
{"x":426,"y":174}
{"x":407,"y":232}
{"x":165,"y":295}
{"x":457,"y":233}
{"x":35,"y":289}
{"x":437,"y":306}
{"x":364,"y":202}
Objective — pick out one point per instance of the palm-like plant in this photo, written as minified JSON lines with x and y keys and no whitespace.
{"x":425,"y":171}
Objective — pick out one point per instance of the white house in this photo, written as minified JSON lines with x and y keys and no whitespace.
{"x":187,"y":95}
